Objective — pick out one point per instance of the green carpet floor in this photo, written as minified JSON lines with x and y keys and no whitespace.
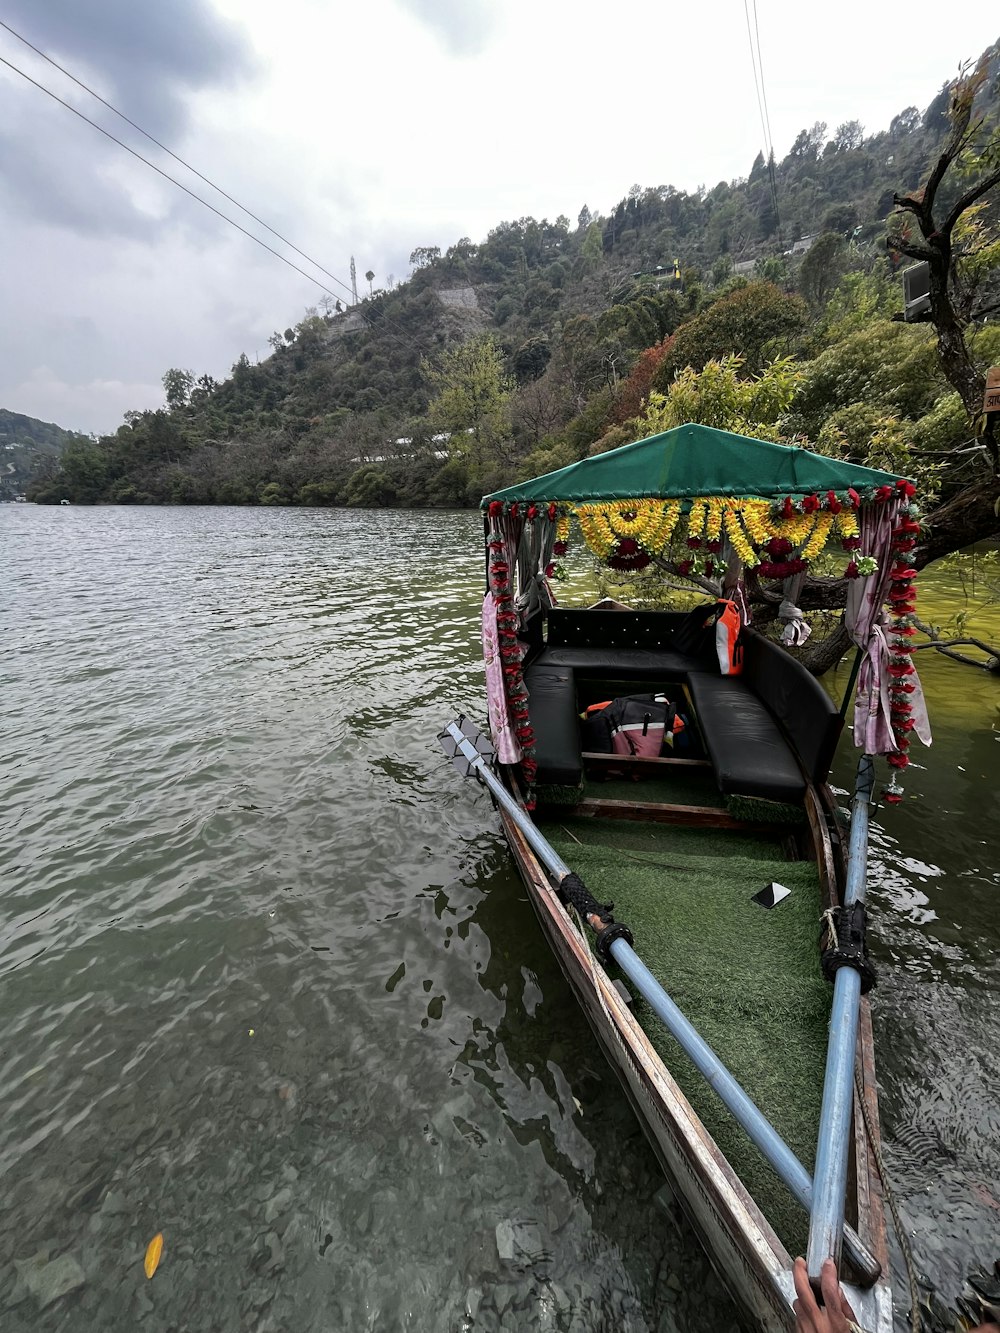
{"x":746,"y":976}
{"x":678,"y":785}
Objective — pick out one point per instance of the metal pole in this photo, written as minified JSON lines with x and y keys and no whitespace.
{"x":757,"y":1126}
{"x":850,"y":682}
{"x":826,"y":1222}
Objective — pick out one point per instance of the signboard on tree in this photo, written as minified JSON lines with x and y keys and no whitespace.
{"x":991,"y":401}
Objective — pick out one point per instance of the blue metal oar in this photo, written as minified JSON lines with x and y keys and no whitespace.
{"x":470,"y":751}
{"x":826,"y":1222}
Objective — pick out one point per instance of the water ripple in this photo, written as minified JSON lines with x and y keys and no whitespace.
{"x":267,"y":981}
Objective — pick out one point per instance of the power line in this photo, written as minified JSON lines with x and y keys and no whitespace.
{"x":187,"y":165}
{"x":402,"y":336}
{"x":765,"y":119}
{"x":756,"y":82}
{"x":166,"y":176}
{"x":763,"y":86}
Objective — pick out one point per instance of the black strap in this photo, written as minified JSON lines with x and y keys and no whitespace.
{"x":573,"y":890}
{"x":850,"y":948}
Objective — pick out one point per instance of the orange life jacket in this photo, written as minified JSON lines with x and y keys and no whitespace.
{"x":728,"y":643}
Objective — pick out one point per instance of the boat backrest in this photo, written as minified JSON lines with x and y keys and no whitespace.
{"x":531,"y":635}
{"x":572,"y":628}
{"x":809,"y":717}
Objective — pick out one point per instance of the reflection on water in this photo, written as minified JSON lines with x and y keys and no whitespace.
{"x":269,"y":985}
{"x":935,"y":875}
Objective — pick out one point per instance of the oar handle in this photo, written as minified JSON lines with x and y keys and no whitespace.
{"x":826,"y":1222}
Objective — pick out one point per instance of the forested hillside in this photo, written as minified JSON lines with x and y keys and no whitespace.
{"x":768,"y":304}
{"x":29,"y":451}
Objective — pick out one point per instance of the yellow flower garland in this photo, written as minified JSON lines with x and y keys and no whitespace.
{"x":748,"y":523}
{"x":697,"y":517}
{"x":651,"y":525}
{"x":737,"y":537}
{"x":818,"y":536}
{"x":756,"y":515}
{"x":713,"y":519}
{"x":796,"y":529}
{"x":847,"y":523}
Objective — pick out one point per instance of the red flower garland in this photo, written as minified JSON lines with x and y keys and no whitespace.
{"x":512,"y":651}
{"x":902,"y":605}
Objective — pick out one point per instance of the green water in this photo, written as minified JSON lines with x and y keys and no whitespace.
{"x":223,"y":811}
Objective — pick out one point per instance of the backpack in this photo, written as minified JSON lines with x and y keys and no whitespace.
{"x":642,"y":724}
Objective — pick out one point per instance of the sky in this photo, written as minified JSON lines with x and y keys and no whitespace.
{"x":369,"y":129}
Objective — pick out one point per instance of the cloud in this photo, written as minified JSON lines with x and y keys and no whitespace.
{"x":464,"y":26}
{"x":149,"y":61}
{"x":80,"y":405}
{"x":146,"y":58}
{"x":54,"y":178}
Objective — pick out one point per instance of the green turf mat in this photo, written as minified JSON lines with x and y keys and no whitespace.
{"x":746,"y":976}
{"x":654,"y":840}
{"x":670,"y":786}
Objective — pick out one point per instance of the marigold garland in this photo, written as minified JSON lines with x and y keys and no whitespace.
{"x":713,"y":521}
{"x":649,"y":524}
{"x":696,"y":521}
{"x":738,"y":538}
{"x":818,"y":536}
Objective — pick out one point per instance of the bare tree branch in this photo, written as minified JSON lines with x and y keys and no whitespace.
{"x":969,"y":198}
{"x":910,"y":249}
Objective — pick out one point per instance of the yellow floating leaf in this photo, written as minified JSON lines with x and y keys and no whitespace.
{"x":153,"y":1251}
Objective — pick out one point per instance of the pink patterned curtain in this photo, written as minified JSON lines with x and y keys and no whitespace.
{"x":883,"y":694}
{"x":501,"y":724}
{"x":503,"y":652}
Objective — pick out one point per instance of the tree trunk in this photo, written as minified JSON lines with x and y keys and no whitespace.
{"x":819,"y":657}
{"x":967,"y":517}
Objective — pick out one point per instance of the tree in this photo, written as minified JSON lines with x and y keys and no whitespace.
{"x":424,"y":255}
{"x":177,"y":385}
{"x":905,"y":123}
{"x":956,"y":243}
{"x":472,"y":398}
{"x":848,"y":136}
{"x":822,"y":268}
{"x":369,"y":278}
{"x":531,"y":358}
{"x":584,"y":219}
{"x":722,"y":395}
{"x":756,"y":322}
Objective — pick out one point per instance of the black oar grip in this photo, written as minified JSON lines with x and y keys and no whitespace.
{"x":572,"y":890}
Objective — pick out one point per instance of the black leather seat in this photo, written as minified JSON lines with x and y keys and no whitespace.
{"x":748,"y":750}
{"x":552,"y":709}
{"x":808,"y":715}
{"x":753,"y":725}
{"x":648,"y":663}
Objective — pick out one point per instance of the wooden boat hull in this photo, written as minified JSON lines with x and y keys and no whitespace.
{"x":749,"y":1257}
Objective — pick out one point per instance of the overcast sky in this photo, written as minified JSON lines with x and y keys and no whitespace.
{"x":368,"y":129}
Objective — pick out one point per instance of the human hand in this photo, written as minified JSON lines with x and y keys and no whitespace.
{"x":835,"y":1316}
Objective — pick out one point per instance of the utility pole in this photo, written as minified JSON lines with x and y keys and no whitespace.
{"x":354,"y":282}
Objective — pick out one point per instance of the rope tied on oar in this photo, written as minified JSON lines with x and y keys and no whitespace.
{"x":573,"y":891}
{"x":843,"y":943}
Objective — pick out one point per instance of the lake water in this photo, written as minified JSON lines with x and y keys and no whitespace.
{"x":269,"y":984}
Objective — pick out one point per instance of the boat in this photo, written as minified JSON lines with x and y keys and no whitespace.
{"x":681,"y":864}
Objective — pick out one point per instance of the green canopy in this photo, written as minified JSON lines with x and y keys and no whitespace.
{"x":695,"y":460}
